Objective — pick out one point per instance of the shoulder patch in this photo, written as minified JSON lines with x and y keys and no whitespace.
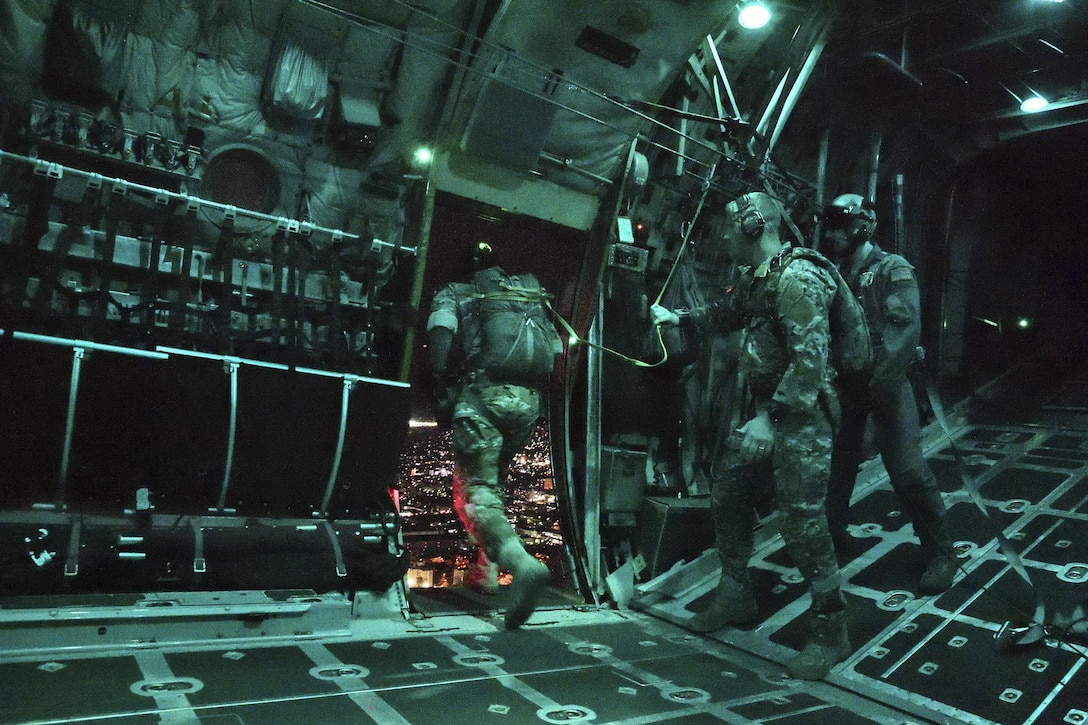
{"x":901,"y":274}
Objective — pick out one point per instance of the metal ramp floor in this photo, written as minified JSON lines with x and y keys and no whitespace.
{"x":939,"y":658}
{"x":567,"y":667}
{"x":917,"y":660}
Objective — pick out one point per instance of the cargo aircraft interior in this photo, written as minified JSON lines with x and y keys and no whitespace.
{"x":228,"y":491}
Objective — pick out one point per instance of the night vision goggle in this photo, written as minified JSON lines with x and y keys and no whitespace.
{"x":837,"y":217}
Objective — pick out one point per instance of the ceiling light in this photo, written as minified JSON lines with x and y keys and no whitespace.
{"x":1029,"y":104}
{"x":753,"y":15}
{"x":1033,"y":104}
{"x":422,"y":156}
{"x":1051,"y":46}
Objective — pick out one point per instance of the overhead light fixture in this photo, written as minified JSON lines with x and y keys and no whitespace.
{"x":422,"y":156}
{"x":753,"y":15}
{"x":1051,"y":46}
{"x":1033,"y":104}
{"x":1029,"y":104}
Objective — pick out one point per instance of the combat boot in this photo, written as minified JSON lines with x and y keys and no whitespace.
{"x":530,"y":577}
{"x":940,"y":572}
{"x":942,"y":564}
{"x":930,"y":519}
{"x":939,"y":575}
{"x":828,"y":645}
{"x":733,"y":603}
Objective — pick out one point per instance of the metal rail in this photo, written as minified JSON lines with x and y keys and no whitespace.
{"x":57,"y":170}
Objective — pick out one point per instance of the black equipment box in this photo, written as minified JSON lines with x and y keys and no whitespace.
{"x":53,"y":553}
{"x":673,"y":529}
{"x":128,"y":469}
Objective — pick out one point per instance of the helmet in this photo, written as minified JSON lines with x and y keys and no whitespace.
{"x":855,"y":214}
{"x":469,"y":258}
{"x":482,"y":255}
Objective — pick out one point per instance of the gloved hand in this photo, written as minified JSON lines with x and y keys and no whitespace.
{"x":444,"y":394}
{"x":663,"y":315}
{"x":753,"y":441}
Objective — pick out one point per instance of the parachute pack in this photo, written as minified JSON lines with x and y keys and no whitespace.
{"x":507,"y":332}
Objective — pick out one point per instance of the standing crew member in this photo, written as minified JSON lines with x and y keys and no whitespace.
{"x":888,"y":291}
{"x":487,"y":386}
{"x":782,"y":303}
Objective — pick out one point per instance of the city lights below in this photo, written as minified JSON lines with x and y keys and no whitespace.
{"x":434,"y":537}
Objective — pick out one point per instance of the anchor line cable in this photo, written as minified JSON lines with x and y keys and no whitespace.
{"x":518,"y":78}
{"x":573,"y":334}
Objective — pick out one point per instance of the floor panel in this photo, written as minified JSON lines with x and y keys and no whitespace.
{"x":917,"y":659}
{"x":594,"y":666}
{"x":939,"y":658}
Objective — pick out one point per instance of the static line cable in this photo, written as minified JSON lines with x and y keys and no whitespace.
{"x":687,"y":232}
{"x":573,"y":335}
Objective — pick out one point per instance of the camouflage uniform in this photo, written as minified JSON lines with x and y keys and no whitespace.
{"x":492,"y":421}
{"x":783,"y":310}
{"x":491,"y":424}
{"x":888,"y":291}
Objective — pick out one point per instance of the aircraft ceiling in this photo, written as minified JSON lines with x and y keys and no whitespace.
{"x":960,"y":69}
{"x":534,"y":106}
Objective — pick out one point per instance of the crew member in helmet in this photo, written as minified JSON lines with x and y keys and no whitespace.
{"x":886,"y":286}
{"x":781,"y":301}
{"x":491,"y":346}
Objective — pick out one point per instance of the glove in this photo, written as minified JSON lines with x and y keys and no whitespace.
{"x":663,"y":316}
{"x":444,"y":394}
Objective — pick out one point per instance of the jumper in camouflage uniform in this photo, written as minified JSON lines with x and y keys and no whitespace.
{"x":494,"y":413}
{"x":785,"y":304}
{"x":782,"y":306}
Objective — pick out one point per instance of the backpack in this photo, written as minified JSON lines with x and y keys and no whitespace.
{"x":507,"y":333}
{"x":851,"y":349}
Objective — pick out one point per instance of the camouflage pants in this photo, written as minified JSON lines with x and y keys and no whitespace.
{"x":491,"y":424}
{"x":795,"y":476}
